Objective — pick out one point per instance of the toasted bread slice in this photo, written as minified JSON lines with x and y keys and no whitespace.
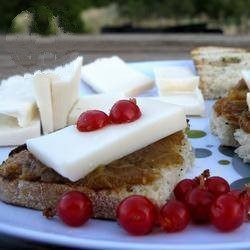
{"x":219,"y":68}
{"x":152,"y":172}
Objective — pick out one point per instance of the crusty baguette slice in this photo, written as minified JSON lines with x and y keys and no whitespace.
{"x":219,"y":68}
{"x":40,"y":195}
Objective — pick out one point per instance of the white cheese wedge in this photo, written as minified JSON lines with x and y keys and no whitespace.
{"x":42,"y":91}
{"x":107,"y":75}
{"x":102,"y":102}
{"x":65,"y":91}
{"x":57,"y":91}
{"x":246,"y":77}
{"x":75,"y":154}
{"x":17,"y":99}
{"x":11,"y":134}
{"x":175,"y":78}
{"x":248,"y":101}
{"x":178,"y":85}
{"x":192,"y":102}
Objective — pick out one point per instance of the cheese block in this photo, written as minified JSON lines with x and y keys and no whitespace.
{"x":178,"y":85}
{"x":75,"y":154}
{"x":192,"y":102}
{"x":246,"y":77}
{"x":107,"y":75}
{"x":42,"y":91}
{"x":175,"y":78}
{"x":11,"y":134}
{"x":102,"y":102}
{"x":65,"y":91}
{"x":17,"y":99}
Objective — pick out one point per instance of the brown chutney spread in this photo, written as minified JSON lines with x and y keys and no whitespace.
{"x":234,"y":107}
{"x":140,"y":167}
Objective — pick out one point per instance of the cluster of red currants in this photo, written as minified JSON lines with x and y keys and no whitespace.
{"x":210,"y":200}
{"x":203,"y":199}
{"x":123,"y":111}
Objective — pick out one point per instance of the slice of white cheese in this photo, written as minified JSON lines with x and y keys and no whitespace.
{"x":192,"y":102}
{"x":246,"y":77}
{"x":75,"y":154}
{"x":102,"y":102}
{"x":42,"y":91}
{"x":11,"y":134}
{"x":175,"y":78}
{"x":178,"y":85}
{"x":107,"y":75}
{"x":17,"y":99}
{"x":65,"y":81}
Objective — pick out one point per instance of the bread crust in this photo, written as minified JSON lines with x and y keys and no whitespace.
{"x":40,"y":196}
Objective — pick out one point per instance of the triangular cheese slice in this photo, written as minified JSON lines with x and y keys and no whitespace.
{"x":17,"y":99}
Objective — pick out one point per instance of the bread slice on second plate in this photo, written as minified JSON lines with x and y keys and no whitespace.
{"x":219,"y":69}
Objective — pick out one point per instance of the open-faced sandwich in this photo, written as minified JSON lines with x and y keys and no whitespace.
{"x":147,"y":155}
{"x":144,"y":156}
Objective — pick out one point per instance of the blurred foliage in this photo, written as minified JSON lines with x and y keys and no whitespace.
{"x":68,"y":11}
{"x":220,"y":10}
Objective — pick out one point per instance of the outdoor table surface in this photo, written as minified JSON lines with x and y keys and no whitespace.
{"x":20,"y":54}
{"x":23,"y":53}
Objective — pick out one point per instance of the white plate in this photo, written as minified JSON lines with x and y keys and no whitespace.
{"x":32,"y":225}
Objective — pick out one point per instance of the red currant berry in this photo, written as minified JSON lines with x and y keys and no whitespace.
{"x":92,"y":120}
{"x":235,"y":192}
{"x":136,"y":214}
{"x":217,"y":186}
{"x":199,"y":202}
{"x":183,"y":188}
{"x":243,"y":197}
{"x":74,"y":208}
{"x":174,"y":216}
{"x":227,"y":213}
{"x":124,"y":111}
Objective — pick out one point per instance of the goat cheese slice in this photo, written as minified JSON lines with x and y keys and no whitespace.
{"x":107,"y":75}
{"x":175,"y":78}
{"x":192,"y":102}
{"x":102,"y":102}
{"x":75,"y":154}
{"x":56,"y":92}
{"x":42,"y":91}
{"x":11,"y":134}
{"x":17,"y":99}
{"x":178,"y":85}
